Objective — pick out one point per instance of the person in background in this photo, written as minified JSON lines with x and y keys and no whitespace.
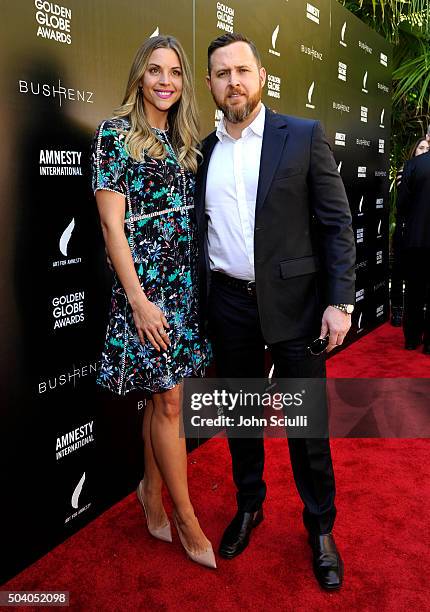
{"x":144,"y":164}
{"x":414,"y":219}
{"x":397,"y":274}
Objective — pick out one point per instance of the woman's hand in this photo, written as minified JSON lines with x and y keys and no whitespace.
{"x":150,"y":323}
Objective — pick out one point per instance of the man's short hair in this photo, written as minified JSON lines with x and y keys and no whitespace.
{"x":229,"y":39}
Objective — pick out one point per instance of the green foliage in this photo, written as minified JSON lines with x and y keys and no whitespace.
{"x":406,"y":24}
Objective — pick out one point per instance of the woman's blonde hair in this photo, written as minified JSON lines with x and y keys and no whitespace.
{"x":182,"y":118}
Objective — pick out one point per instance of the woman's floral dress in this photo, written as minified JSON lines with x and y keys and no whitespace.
{"x":160,"y":228}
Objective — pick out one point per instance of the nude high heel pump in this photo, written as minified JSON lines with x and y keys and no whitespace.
{"x":161,"y":533}
{"x":206,"y":558}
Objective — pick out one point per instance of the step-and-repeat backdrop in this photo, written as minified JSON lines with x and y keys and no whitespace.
{"x":68,"y":450}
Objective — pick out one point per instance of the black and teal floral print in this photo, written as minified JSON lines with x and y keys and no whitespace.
{"x":160,"y":228}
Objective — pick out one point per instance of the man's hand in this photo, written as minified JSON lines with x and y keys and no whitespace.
{"x":337,"y":324}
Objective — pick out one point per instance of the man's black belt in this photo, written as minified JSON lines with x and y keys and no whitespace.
{"x":235,"y":283}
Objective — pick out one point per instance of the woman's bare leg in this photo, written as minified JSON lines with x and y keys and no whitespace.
{"x":171,"y":456}
{"x":153,"y":481}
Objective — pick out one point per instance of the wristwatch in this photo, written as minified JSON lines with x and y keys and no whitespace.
{"x":346,"y":308}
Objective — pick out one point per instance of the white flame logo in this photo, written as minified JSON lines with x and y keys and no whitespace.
{"x":360,"y":206}
{"x":275,"y":36}
{"x":339,"y":168}
{"x":365,"y":80}
{"x":342,"y":32}
{"x":77,"y":491}
{"x":65,"y":237}
{"x":310,"y":92}
{"x":382,"y":116}
{"x":379,"y":227}
{"x":359,"y":320}
{"x":156,"y":32}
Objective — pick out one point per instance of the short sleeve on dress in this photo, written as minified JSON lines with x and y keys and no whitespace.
{"x":109,"y":159}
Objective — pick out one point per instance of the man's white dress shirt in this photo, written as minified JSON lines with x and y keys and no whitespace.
{"x":231,"y":192}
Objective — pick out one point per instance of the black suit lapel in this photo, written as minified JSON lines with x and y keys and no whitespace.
{"x":274,"y":138}
{"x":202,"y":174}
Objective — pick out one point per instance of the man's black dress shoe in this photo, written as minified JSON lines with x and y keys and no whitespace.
{"x":426,"y":349}
{"x":236,"y":536}
{"x":327,"y":563}
{"x":411,"y":346}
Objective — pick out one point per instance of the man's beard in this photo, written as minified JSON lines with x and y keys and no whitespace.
{"x":238,"y":113}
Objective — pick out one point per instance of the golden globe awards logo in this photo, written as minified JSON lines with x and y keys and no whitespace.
{"x":53,"y":21}
{"x":225,"y":17}
{"x":68,"y":309}
{"x":273,"y":86}
{"x":218,"y":116}
{"x":341,"y":71}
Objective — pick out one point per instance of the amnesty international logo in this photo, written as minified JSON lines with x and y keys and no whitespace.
{"x":274,"y":39}
{"x":342,"y":36}
{"x":310,"y":94}
{"x":60,"y":163}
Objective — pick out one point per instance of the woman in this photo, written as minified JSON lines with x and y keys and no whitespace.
{"x":397,"y":275}
{"x":144,"y":165}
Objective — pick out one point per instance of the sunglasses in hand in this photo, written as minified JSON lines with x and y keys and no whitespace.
{"x":319,"y":345}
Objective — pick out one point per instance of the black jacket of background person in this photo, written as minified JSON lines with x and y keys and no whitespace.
{"x":304,"y":252}
{"x":414,"y":203}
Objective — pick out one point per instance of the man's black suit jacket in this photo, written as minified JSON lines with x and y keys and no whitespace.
{"x":304,"y":252}
{"x":414,"y":203}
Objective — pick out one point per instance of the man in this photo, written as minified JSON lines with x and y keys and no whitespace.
{"x":271,"y":211}
{"x":414,"y":213}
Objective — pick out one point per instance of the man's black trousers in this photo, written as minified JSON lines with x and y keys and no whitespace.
{"x":239,"y":350}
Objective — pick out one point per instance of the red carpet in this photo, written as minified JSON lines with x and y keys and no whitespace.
{"x":380,"y":354}
{"x":383,"y":514}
